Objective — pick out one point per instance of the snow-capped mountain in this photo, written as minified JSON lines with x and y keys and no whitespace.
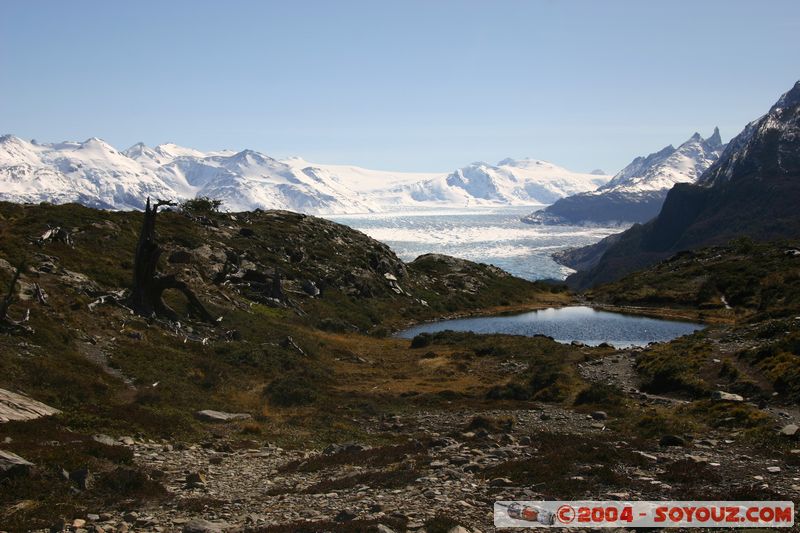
{"x":636,"y":193}
{"x":90,"y":172}
{"x":510,"y":182}
{"x":94,"y":173}
{"x":752,"y":191}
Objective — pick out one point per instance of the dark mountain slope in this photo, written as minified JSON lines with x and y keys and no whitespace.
{"x":752,"y":190}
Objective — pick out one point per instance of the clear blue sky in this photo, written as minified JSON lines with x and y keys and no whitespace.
{"x":406,"y":85}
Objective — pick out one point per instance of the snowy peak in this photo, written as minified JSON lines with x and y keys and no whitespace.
{"x":510,"y":182}
{"x":715,"y":140}
{"x":637,"y":192}
{"x":94,"y":173}
{"x":768,"y":146}
{"x":663,"y":169}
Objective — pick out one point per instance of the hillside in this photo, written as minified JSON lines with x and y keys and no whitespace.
{"x":637,"y":192}
{"x":752,"y":190}
{"x":276,"y":348}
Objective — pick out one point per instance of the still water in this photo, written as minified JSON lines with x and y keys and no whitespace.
{"x":567,"y":324}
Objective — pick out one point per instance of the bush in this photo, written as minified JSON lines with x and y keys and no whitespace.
{"x":291,"y":391}
{"x":422,"y":340}
{"x":201,"y":206}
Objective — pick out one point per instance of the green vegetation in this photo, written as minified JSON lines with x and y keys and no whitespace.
{"x":742,"y":281}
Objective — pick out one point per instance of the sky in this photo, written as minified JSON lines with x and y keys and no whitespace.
{"x":401,"y":85}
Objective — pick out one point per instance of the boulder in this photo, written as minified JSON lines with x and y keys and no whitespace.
{"x":726,"y":396}
{"x":15,"y":406}
{"x":790,"y":430}
{"x":180,"y":257}
{"x":310,"y":288}
{"x":599,"y":415}
{"x":11,"y":463}
{"x":209,"y":415}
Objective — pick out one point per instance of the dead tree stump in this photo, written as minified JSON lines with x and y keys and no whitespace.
{"x":148,"y":285}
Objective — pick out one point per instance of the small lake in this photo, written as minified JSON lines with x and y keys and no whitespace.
{"x":567,"y":324}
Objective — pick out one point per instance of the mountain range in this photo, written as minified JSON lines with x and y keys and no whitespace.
{"x":637,"y":192}
{"x":752,"y":191}
{"x":96,"y":174}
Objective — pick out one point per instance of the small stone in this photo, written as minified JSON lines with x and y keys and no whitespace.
{"x":78,"y":522}
{"x":501,"y":482}
{"x":209,"y":415}
{"x":726,"y":396}
{"x":599,"y":415}
{"x":671,"y":440}
{"x":773,"y":469}
{"x":196,"y":478}
{"x":105,"y":439}
{"x":345,"y":516}
{"x":646,"y":455}
{"x":458,"y":529}
{"x":790,"y":430}
{"x":384,"y":529}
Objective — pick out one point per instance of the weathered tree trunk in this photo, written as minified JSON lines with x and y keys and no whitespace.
{"x":148,"y":285}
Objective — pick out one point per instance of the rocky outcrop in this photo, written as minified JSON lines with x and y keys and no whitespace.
{"x":15,"y":406}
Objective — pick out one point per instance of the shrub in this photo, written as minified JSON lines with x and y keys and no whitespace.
{"x":291,"y":391}
{"x":202,"y":205}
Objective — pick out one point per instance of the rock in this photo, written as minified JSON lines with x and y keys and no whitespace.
{"x":310,"y":288}
{"x":545,"y":416}
{"x":11,"y":463}
{"x":78,"y":522}
{"x":82,"y":477}
{"x":726,"y":396}
{"x":180,"y":257}
{"x":671,"y":440}
{"x":501,"y":482}
{"x":127,"y":441}
{"x":345,"y":516}
{"x":773,"y":469}
{"x":15,"y":406}
{"x":599,"y":415}
{"x":196,"y":478}
{"x":209,"y":415}
{"x":646,"y":455}
{"x":346,"y":447}
{"x":790,"y":430}
{"x":105,"y":439}
{"x":204,"y":526}
{"x":384,"y":529}
{"x":458,"y":529}
{"x":246,"y":232}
